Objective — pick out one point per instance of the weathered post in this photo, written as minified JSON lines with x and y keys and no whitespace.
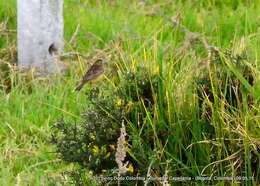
{"x":40,"y":34}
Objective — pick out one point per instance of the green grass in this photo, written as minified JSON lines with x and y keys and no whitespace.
{"x":139,"y":35}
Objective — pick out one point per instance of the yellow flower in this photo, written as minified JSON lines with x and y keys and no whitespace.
{"x":119,"y":102}
{"x":130,"y":168}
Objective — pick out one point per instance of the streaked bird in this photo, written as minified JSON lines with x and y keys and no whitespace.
{"x":96,"y":70}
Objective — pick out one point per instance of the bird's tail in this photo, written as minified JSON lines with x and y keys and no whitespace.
{"x":79,"y":87}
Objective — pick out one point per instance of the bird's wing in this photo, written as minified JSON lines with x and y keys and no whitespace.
{"x":93,"y":72}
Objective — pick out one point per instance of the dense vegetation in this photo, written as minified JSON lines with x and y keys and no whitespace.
{"x":182,"y":80}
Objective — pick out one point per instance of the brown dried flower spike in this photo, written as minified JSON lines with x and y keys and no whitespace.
{"x":121,"y":151}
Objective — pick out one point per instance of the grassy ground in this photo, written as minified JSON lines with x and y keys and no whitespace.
{"x":140,"y":33}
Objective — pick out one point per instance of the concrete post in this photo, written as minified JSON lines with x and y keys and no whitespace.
{"x":39,"y":34}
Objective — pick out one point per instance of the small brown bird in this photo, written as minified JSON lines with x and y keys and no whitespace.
{"x":96,"y":70}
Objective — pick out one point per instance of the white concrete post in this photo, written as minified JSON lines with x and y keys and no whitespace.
{"x":40,"y":33}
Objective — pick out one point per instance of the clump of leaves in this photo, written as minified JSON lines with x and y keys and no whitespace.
{"x":92,"y":143}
